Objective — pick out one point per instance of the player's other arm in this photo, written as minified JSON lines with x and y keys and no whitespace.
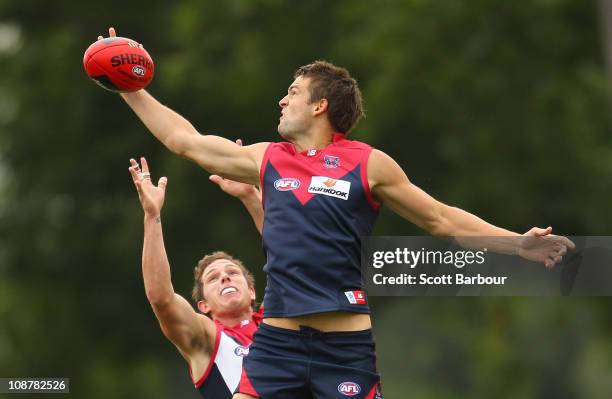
{"x":390,"y":185}
{"x":192,"y":333}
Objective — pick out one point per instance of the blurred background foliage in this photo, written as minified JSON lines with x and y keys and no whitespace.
{"x":501,"y":108}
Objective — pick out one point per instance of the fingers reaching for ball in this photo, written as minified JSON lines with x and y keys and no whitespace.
{"x":111,"y":33}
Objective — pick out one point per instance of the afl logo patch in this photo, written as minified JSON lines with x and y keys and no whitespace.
{"x":349,"y":388}
{"x":241,"y":351}
{"x":286,"y":184}
{"x":138,"y":71}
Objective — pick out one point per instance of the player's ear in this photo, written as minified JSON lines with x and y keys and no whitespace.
{"x":203,"y":307}
{"x":252,"y":293}
{"x":321,"y":106}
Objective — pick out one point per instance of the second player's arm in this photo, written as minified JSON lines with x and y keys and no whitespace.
{"x":213,"y":153}
{"x":190,"y":332}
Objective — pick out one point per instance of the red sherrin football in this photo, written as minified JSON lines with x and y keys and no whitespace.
{"x":118,"y":64}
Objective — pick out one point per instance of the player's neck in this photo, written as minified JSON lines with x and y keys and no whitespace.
{"x":233,"y":319}
{"x":316,"y":139}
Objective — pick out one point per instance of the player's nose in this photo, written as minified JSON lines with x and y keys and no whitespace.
{"x":283,"y":102}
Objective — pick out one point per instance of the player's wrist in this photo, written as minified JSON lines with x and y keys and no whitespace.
{"x":152,"y":217}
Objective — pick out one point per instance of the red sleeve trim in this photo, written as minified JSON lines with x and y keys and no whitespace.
{"x":364,"y":178}
{"x":213,"y":356}
{"x":262,"y":168}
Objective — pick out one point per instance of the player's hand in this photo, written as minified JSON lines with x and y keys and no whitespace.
{"x":151,"y":197}
{"x":540,"y":245}
{"x":111,"y":33}
{"x":236,"y":189}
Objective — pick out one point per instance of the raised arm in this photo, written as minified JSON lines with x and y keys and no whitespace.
{"x":213,"y":153}
{"x":390,"y":185}
{"x":192,"y":333}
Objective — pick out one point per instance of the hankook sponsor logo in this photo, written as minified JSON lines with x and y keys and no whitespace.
{"x":331,"y":187}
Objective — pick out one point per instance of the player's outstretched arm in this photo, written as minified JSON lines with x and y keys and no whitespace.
{"x":390,"y":185}
{"x":213,"y":153}
{"x":189,"y":331}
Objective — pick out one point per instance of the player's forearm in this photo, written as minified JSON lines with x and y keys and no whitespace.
{"x":457,"y":222}
{"x":471,"y":231}
{"x":253,"y":205}
{"x":166,"y":125}
{"x":155,"y":265}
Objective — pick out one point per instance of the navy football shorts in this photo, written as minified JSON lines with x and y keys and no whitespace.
{"x":305,"y":364}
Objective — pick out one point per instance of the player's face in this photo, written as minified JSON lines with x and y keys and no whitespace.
{"x":225,"y":288}
{"x":296,"y":110}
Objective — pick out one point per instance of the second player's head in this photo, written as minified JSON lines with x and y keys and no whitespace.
{"x":320,"y":90}
{"x":223,"y":287}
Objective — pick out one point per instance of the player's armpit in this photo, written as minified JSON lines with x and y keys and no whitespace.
{"x":188,"y":330}
{"x":223,"y":157}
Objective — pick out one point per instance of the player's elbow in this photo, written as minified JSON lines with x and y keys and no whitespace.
{"x":178,"y":144}
{"x":438,"y":224}
{"x":158,"y":298}
{"x":437,"y":228}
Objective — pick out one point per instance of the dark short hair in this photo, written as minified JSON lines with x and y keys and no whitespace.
{"x":198,"y":290}
{"x":341,"y":91}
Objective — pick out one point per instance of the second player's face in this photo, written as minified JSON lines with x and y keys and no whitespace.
{"x":296,"y":110}
{"x":225,"y":288}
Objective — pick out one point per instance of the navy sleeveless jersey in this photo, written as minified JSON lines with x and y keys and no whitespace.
{"x":317,"y":206}
{"x":224,"y":370}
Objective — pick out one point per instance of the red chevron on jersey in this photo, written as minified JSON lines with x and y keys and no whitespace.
{"x":297,"y":170}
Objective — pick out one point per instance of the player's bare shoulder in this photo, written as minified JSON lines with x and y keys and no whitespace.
{"x":257,"y":151}
{"x":382,"y":170}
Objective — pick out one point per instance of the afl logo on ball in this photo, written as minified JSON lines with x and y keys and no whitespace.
{"x":138,"y":71}
{"x":241,"y":351}
{"x":286,"y":184}
{"x":349,"y":388}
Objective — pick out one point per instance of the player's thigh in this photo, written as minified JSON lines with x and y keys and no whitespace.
{"x":242,"y":396}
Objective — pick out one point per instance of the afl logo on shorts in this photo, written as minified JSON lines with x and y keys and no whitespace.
{"x":138,"y":71}
{"x":241,"y":351}
{"x":286,"y":184}
{"x":349,"y":388}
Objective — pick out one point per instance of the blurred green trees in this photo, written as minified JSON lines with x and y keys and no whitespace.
{"x":498,"y":107}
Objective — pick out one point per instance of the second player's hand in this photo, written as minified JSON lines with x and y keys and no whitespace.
{"x":151,"y":196}
{"x":236,"y":189}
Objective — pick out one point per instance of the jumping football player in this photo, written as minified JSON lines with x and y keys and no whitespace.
{"x":321,"y":194}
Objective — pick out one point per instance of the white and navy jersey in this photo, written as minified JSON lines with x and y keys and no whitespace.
{"x":223,"y":372}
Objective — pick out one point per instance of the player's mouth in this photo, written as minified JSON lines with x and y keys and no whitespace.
{"x":228,"y":290}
